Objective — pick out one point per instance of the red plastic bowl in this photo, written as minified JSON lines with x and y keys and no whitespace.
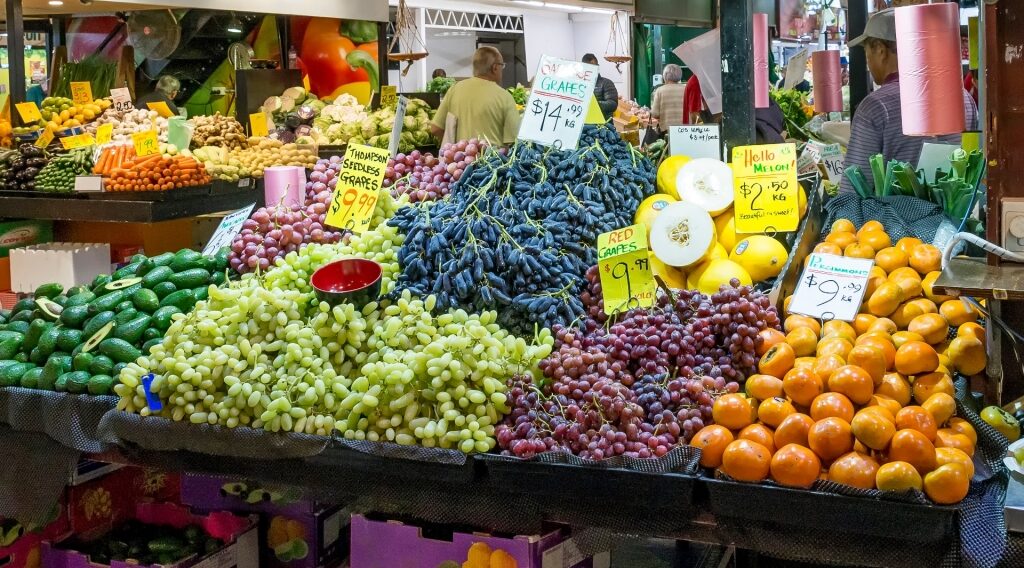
{"x":353,"y":280}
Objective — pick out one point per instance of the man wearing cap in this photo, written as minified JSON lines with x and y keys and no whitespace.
{"x":878,"y":125}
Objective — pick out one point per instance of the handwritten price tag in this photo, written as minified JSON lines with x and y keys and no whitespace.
{"x":388,"y":95}
{"x":161,"y":108}
{"x":696,"y":141}
{"x":226,"y":231}
{"x":832,"y":157}
{"x":29,"y":112}
{"x":831,"y":287}
{"x":555,"y":113}
{"x":258,"y":123}
{"x":81,"y":92}
{"x":625,"y":268}
{"x":359,"y":184}
{"x":105,"y":133}
{"x":765,"y":185}
{"x":396,"y":132}
{"x":78,"y":141}
{"x":122,"y":98}
{"x":146,"y":143}
{"x":45,"y":138}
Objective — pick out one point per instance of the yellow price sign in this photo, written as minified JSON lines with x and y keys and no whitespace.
{"x":594,"y":113}
{"x":388,"y":95}
{"x":765,"y":186}
{"x":29,"y":112}
{"x":45,"y":138}
{"x":105,"y":133}
{"x":78,"y":141}
{"x":359,"y":183}
{"x":146,"y":143}
{"x":625,"y":267}
{"x":161,"y":108}
{"x":258,"y":124}
{"x":81,"y":92}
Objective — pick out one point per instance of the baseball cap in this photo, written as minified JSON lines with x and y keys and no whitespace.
{"x":881,"y":25}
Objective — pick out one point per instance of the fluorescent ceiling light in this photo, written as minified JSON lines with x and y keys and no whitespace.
{"x":56,"y":2}
{"x":234,"y":26}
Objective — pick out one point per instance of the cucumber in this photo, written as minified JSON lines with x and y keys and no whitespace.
{"x":80,"y":299}
{"x":190,"y":278}
{"x":99,"y":282}
{"x":76,"y":382}
{"x":35,"y":330}
{"x":119,"y":350}
{"x":51,"y":290}
{"x":10,"y":346}
{"x":69,"y":339}
{"x":48,"y":341}
{"x":146,"y":300}
{"x":100,"y":385}
{"x":149,"y":345}
{"x":19,"y":326}
{"x":186,"y":259}
{"x":30,"y":380}
{"x":184,"y":300}
{"x":101,"y":365}
{"x":162,"y":317}
{"x":106,"y":302}
{"x":97,"y":321}
{"x":156,"y":276}
{"x":132,"y":331}
{"x":74,"y":316}
{"x":10,"y":376}
{"x":125,"y":271}
{"x":201,"y":293}
{"x":126,"y":316}
{"x":164,"y":289}
{"x":82,"y":362}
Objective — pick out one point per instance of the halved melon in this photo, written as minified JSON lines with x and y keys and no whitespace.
{"x":682,"y":234}
{"x":707,"y":183}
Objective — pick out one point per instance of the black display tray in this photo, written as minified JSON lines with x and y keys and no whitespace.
{"x":175,"y":194}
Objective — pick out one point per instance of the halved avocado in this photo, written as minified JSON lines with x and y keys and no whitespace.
{"x":122,"y":283}
{"x":97,"y":337}
{"x":49,"y":309}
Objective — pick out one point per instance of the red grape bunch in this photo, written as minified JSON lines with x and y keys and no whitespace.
{"x":425,"y":177}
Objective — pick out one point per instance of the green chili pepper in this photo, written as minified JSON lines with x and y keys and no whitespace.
{"x":359,"y":59}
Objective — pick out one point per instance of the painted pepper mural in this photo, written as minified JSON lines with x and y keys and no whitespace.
{"x":338,"y":56}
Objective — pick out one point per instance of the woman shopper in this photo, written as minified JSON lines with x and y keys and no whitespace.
{"x":668,"y":106}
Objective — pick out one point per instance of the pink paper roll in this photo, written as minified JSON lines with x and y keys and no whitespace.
{"x":931,"y":85}
{"x":300,"y":178}
{"x":828,"y":81}
{"x":760,"y":60}
{"x":281,"y":185}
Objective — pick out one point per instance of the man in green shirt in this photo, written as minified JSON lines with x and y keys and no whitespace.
{"x":479,"y":106}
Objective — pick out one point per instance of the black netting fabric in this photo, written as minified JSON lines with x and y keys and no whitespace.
{"x":70,"y":419}
{"x":396,"y":451}
{"x":161,"y":434}
{"x":681,"y":459}
{"x":902,"y":216}
{"x":33,"y":476}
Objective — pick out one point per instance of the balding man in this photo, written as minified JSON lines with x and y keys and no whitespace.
{"x":482,"y":108}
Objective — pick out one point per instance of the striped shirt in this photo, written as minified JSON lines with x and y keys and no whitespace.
{"x":878,"y":129}
{"x":668,"y":105}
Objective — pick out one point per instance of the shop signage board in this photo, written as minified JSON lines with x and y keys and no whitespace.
{"x":226,"y":231}
{"x":396,"y":132}
{"x":122,"y":98}
{"x":696,"y":141}
{"x":78,"y":141}
{"x":831,"y":287}
{"x":81,"y":92}
{"x":765,"y":186}
{"x":359,"y":183}
{"x":557,"y":107}
{"x":29,"y":112}
{"x":625,"y":268}
{"x":258,"y":124}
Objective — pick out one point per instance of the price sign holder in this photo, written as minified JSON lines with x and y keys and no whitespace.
{"x":388,"y":95}
{"x":556,"y":110}
{"x":28,"y":112}
{"x":78,"y":141}
{"x":105,"y":133}
{"x":396,"y":132}
{"x":831,"y":287}
{"x":45,"y":138}
{"x":122,"y":98}
{"x":696,"y":141}
{"x":766,"y":191}
{"x":832,"y":158}
{"x":359,"y":183}
{"x":161,"y":108}
{"x":258,"y":124}
{"x":146,"y":143}
{"x":81,"y":92}
{"x":625,"y":268}
{"x":229,"y":226}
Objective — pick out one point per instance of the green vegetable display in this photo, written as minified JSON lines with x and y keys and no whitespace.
{"x":58,"y":176}
{"x":440,"y":85}
{"x":146,"y":544}
{"x":519,"y":94}
{"x":795,"y":110}
{"x":99,"y":72}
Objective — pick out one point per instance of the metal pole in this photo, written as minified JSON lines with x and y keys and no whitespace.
{"x":860,"y":82}
{"x":16,"y":53}
{"x":737,"y":25}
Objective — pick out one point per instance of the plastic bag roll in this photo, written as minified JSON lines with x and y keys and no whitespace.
{"x":760,"y":60}
{"x":828,"y":81}
{"x":931,"y":85}
{"x":281,"y":183}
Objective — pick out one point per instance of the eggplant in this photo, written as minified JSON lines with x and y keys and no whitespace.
{"x":306,"y":112}
{"x":28,"y":186}
{"x":36,"y":162}
{"x":28,"y":174}
{"x":292,"y":120}
{"x":30,"y":150}
{"x":18,"y":164}
{"x":287,"y":137}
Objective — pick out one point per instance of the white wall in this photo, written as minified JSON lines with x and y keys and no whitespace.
{"x":454,"y":54}
{"x":547,"y":33}
{"x":590,"y":35}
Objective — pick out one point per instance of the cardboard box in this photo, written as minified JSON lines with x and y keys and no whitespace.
{"x":21,"y":546}
{"x":20,"y":233}
{"x":387,"y":544}
{"x":212,"y":493}
{"x":101,"y":503}
{"x":70,"y":264}
{"x":240,"y":534}
{"x":5,"y":273}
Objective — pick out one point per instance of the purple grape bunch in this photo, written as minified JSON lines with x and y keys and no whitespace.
{"x":639,"y":383}
{"x":425,"y":177}
{"x":323,"y":179}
